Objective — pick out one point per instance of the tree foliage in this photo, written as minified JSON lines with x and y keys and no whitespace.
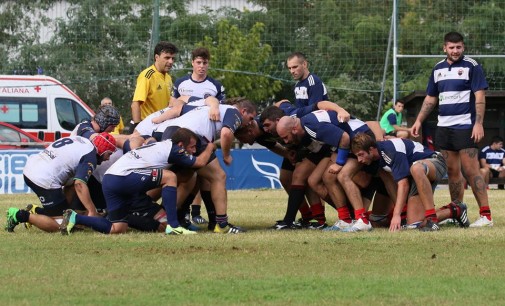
{"x":99,"y":47}
{"x":235,"y":52}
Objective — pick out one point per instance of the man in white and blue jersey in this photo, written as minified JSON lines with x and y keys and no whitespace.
{"x":140,"y":170}
{"x":309,"y":88}
{"x":492,"y":160}
{"x":458,"y":85}
{"x":66,"y":164}
{"x":412,"y":172}
{"x":239,"y":114}
{"x":198,"y":83}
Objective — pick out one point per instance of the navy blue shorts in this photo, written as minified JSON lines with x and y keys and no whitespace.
{"x":53,"y":200}
{"x":120,"y":192}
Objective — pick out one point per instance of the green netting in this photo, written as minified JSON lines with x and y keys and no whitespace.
{"x":99,"y":47}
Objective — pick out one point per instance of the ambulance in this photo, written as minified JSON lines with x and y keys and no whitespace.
{"x":41,"y":106}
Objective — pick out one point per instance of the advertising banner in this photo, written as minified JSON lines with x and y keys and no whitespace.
{"x":250,"y":169}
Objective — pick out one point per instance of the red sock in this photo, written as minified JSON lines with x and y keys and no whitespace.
{"x":367,"y":214}
{"x":318,"y":213}
{"x":360,"y":214}
{"x":455,"y":211}
{"x":305,"y":211}
{"x":343,"y":214}
{"x":486,"y":212}
{"x":430,"y":213}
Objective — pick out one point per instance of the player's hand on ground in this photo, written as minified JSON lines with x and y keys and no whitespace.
{"x":396,"y":223}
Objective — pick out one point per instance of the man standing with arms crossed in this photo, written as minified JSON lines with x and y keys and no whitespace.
{"x":154,"y":84}
{"x":458,"y":84}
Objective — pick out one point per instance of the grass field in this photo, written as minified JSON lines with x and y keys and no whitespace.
{"x":262,"y":267}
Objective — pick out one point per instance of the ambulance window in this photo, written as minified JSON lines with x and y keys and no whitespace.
{"x":25,"y":113}
{"x":82,"y":114}
{"x":70,"y":113}
{"x":65,"y":113}
{"x":29,"y":112}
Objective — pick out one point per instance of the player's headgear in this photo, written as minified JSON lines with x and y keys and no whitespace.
{"x":104,"y":142}
{"x":107,"y":115}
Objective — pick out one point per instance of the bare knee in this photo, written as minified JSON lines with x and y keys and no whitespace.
{"x":314,"y":182}
{"x":329,"y":179}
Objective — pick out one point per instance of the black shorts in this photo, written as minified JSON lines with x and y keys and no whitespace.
{"x":454,"y":139}
{"x":315,"y":158}
{"x":287,"y":165}
{"x":494,"y":173}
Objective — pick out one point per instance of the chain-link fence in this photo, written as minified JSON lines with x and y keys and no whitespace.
{"x":98,"y":47}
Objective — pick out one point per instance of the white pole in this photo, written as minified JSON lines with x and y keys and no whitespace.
{"x":395,"y":51}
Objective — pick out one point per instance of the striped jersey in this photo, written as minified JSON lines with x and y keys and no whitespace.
{"x":455,"y":85}
{"x":494,"y":158}
{"x":397,"y":155}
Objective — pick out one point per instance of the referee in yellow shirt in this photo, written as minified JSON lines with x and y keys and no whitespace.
{"x":154,"y":84}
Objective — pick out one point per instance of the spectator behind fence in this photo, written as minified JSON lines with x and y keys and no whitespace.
{"x":391,"y":121}
{"x":492,"y":160}
{"x":119,"y":128}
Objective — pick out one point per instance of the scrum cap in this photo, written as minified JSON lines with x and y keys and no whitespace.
{"x":104,"y":142}
{"x":107,"y":115}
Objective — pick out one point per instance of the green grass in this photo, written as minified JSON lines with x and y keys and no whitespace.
{"x":451,"y":267}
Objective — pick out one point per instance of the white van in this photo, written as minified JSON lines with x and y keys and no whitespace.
{"x":41,"y":105}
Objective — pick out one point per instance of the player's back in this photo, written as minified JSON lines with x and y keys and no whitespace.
{"x":55,"y":166}
{"x":151,"y":156}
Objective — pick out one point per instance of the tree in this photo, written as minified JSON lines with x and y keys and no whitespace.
{"x":241,"y":58}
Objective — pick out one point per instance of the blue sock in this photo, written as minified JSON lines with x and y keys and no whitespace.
{"x":169,"y":198}
{"x":98,"y":224}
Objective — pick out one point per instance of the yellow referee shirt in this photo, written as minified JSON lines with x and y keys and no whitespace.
{"x":154,"y":90}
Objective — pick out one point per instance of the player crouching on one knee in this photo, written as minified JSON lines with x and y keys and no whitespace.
{"x":410,"y":172}
{"x":66,"y":164}
{"x":137,"y":172}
